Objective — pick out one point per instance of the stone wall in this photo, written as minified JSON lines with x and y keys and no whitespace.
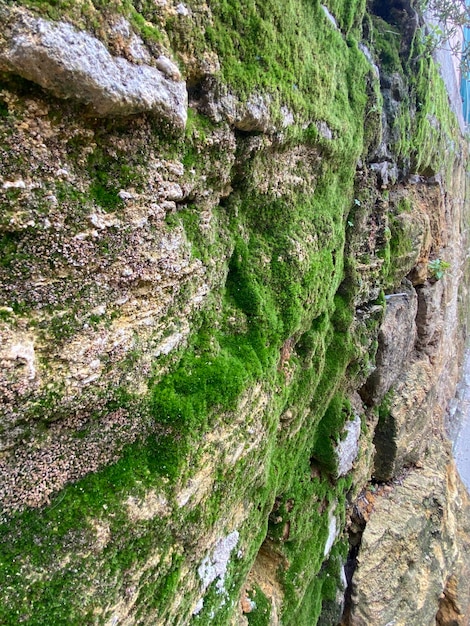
{"x":232,"y":316}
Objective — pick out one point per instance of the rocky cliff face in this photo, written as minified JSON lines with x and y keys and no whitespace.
{"x":232,"y":314}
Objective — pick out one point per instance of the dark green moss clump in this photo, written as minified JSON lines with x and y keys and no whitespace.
{"x":261,"y":611}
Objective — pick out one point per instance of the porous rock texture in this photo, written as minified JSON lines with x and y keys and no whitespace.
{"x":225,"y":356}
{"x":416,"y":537}
{"x":71,"y":63}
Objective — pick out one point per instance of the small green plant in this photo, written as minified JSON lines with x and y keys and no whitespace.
{"x":437,"y":268}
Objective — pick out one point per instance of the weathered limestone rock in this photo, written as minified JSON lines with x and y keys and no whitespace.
{"x":265,"y":575}
{"x":127,"y":42}
{"x":254,"y":116}
{"x":393,"y":91}
{"x":429,"y":318}
{"x":450,"y":612}
{"x":73,"y":64}
{"x":251,"y":116}
{"x":396,"y":341}
{"x":405,"y":426}
{"x":130,"y":295}
{"x":387,"y":172}
{"x":415,"y":551}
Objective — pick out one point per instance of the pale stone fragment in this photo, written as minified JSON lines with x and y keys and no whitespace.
{"x":73,"y":64}
{"x":347,"y":448}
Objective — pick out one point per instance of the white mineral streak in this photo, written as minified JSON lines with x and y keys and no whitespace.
{"x":14,"y":184}
{"x":181,"y":9}
{"x":347,"y":448}
{"x":332,"y":531}
{"x":329,"y":16}
{"x":215,"y":566}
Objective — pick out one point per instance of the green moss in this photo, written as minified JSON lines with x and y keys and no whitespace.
{"x":385,"y":440}
{"x":343,"y":314}
{"x":400,"y":250}
{"x":331,"y":576}
{"x":436,"y":126}
{"x":386,"y":41}
{"x":404,"y":205}
{"x":149,"y":31}
{"x":10,"y":249}
{"x":109,"y":175}
{"x":3,"y":109}
{"x":279,"y":319}
{"x":311,"y":341}
{"x":62,"y":327}
{"x":304,"y":580}
{"x":424,"y":127}
{"x":261,"y":612}
{"x":400,"y":242}
{"x":288,"y":70}
{"x":349,"y":14}
{"x":202,"y":382}
{"x":34,"y":539}
{"x":90,"y":14}
{"x":327,"y":433}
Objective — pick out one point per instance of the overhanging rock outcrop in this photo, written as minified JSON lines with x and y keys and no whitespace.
{"x":74,"y":64}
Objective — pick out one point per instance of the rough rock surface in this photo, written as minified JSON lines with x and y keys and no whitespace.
{"x":205,"y":352}
{"x":73,"y":64}
{"x":415,"y":550}
{"x":348,"y":446}
{"x":429,"y":320}
{"x":250,"y":116}
{"x":403,"y":432}
{"x":396,"y":342}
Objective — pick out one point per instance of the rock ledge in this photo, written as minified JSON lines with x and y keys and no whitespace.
{"x":73,"y":64}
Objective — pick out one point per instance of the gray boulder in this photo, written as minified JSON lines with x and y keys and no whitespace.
{"x":73,"y":64}
{"x":251,"y":116}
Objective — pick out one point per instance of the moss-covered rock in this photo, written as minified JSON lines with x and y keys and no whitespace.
{"x":187,"y":316}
